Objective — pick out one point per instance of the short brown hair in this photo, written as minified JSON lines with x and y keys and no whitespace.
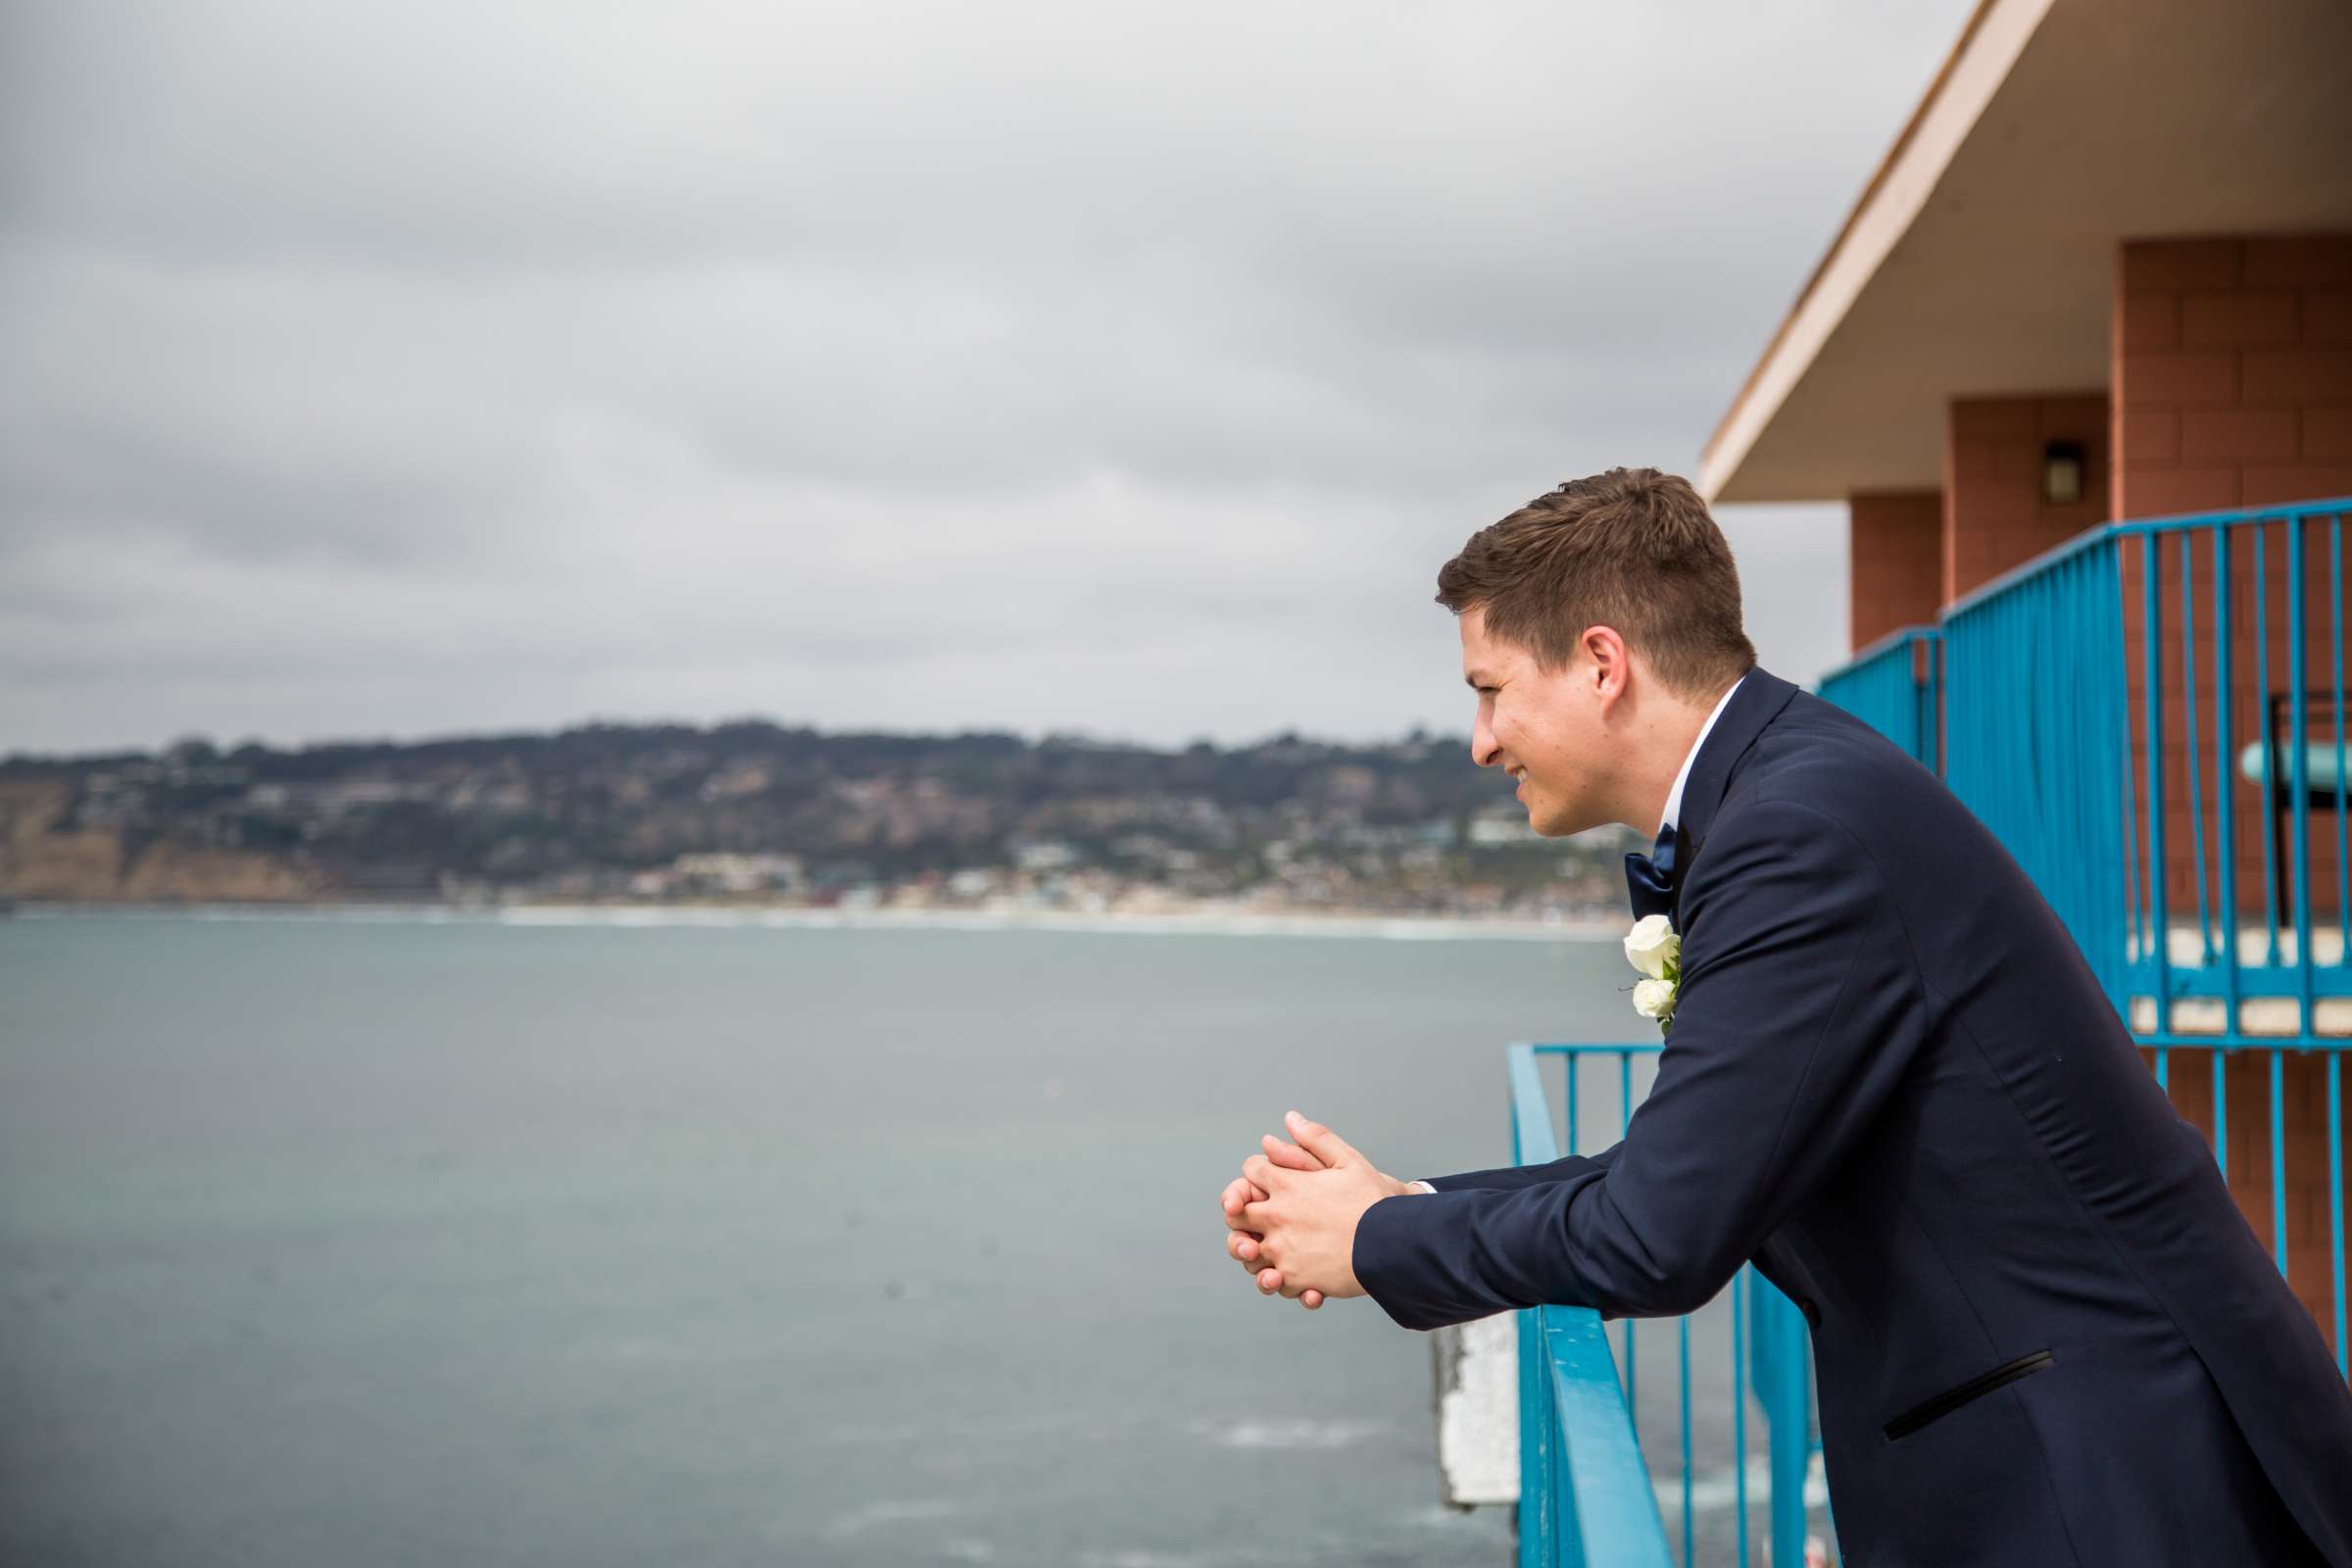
{"x":1633,"y":549}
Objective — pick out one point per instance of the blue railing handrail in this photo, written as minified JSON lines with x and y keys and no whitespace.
{"x":2099,"y":534}
{"x":1616,"y":1507}
{"x":1879,"y":647}
{"x":1585,"y":1496}
{"x":1586,"y":1493}
{"x":1769,"y":1341}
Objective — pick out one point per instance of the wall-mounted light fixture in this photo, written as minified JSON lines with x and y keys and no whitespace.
{"x":2061,"y":472}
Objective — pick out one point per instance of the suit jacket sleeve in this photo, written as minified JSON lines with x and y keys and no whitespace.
{"x":1526,"y":1175}
{"x":1801,"y":1013}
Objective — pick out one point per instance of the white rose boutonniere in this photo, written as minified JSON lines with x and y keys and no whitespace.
{"x":1652,"y":948}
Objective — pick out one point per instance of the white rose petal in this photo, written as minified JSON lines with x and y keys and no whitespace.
{"x":1651,"y":945}
{"x":1653,"y":998}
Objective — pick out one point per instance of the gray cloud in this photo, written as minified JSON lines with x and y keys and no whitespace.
{"x":417,"y":369}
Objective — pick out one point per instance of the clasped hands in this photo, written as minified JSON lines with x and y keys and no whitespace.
{"x":1291,"y":1215}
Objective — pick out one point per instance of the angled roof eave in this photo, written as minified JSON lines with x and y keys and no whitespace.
{"x":1994,"y":35}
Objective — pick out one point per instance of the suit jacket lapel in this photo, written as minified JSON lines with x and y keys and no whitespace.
{"x":1757,"y":702}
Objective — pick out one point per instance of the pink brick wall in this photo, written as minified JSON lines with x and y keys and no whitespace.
{"x":1895,"y":556}
{"x":2232,"y":373}
{"x":1993,"y":514}
{"x":2233,"y":386}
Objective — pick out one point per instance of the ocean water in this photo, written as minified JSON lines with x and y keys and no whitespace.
{"x":388,"y":1240}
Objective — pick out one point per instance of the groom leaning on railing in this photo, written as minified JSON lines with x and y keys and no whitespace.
{"x":2042,"y":1331}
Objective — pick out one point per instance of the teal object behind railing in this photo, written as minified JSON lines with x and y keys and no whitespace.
{"x":1586,"y":1493}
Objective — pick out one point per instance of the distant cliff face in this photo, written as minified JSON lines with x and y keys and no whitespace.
{"x":750,"y":809}
{"x":41,"y":858}
{"x":196,"y":874}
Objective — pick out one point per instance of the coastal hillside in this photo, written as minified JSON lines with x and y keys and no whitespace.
{"x":757,"y":813}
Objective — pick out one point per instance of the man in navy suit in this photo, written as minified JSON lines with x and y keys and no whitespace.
{"x":2042,"y":1331}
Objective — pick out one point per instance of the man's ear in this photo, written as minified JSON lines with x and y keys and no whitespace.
{"x":1612,"y":663}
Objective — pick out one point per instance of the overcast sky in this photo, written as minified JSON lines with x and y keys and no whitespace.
{"x":421,"y":369}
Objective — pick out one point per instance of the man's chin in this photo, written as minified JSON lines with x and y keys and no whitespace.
{"x":1558,"y":823}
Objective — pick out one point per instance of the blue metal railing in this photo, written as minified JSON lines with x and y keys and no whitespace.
{"x":1894,"y":685}
{"x":1587,"y":1491}
{"x":2034,"y":708}
{"x":2151,"y":717}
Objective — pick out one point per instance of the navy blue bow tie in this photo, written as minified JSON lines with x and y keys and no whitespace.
{"x":1650,"y":878}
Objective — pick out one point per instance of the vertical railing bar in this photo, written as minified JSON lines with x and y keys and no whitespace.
{"x":2099,"y":645}
{"x":1574,"y":1060}
{"x":1538,"y":1413}
{"x":2050,"y":802}
{"x":2079,"y":579}
{"x":2040,"y":621}
{"x":2054,"y":795}
{"x":1568,"y":1062}
{"x":2050,"y":793}
{"x":1926,"y":700}
{"x":1625,"y":1118}
{"x":2164,"y":1063}
{"x":2113,"y":653}
{"x":2298,"y":770}
{"x":2220,"y":1111}
{"x":1913,"y":651}
{"x":2335,"y":1191}
{"x":2343,"y":849}
{"x":2152,"y":603}
{"x":2224,"y":797}
{"x":1683,"y":1336}
{"x":1922,"y":682}
{"x":2262,"y":698}
{"x":2278,"y":1156}
{"x":2137,"y":942}
{"x":2188,"y":697}
{"x":1740,"y":1405}
{"x":1923,"y":696}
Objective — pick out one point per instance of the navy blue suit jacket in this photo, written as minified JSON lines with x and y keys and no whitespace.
{"x":2042,"y":1331}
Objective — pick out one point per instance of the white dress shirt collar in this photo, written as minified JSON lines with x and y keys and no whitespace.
{"x":1674,"y":795}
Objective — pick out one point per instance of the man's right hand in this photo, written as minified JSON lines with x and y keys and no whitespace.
{"x":1241,"y":1243}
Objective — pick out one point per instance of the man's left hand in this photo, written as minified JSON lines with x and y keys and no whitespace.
{"x":1307,"y":1221}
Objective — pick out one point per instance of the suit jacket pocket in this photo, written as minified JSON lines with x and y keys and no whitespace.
{"x":1951,"y":1399}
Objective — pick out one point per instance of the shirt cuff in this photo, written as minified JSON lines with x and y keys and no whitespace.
{"x":1422,"y":1187}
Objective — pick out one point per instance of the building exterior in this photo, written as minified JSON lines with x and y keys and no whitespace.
{"x":2105,"y":276}
{"x":2079,"y":364}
